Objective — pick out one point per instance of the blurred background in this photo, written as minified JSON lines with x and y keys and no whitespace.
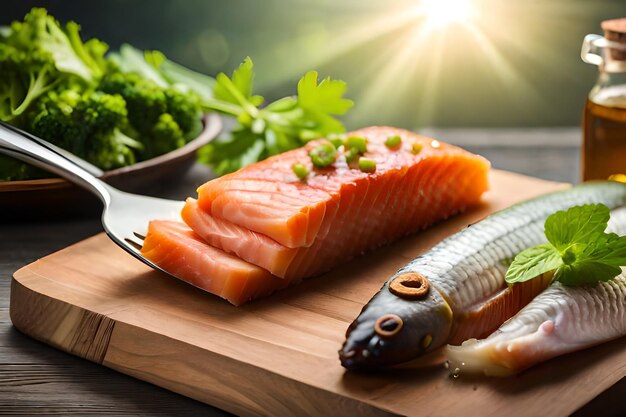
{"x":414,"y":64}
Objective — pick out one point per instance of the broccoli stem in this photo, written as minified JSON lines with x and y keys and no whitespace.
{"x":37,"y":86}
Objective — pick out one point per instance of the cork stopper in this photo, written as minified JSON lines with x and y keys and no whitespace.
{"x":615,"y":31}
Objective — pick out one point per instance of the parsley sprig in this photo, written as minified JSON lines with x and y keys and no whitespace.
{"x":282,"y":125}
{"x":579,"y":251}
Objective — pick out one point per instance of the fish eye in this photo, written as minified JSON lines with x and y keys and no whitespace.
{"x":412,"y":286}
{"x":388,"y":325}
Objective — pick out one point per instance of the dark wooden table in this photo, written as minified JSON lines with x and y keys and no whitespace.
{"x":36,"y":379}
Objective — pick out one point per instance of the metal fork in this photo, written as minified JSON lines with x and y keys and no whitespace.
{"x":125,"y":216}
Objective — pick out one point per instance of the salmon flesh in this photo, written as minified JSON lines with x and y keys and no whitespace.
{"x":177,"y":249}
{"x":297,"y":229}
{"x":464,"y":293}
{"x":280,"y":227}
{"x":560,"y":320}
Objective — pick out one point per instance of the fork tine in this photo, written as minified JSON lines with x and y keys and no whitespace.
{"x":133,"y":244}
{"x":139,"y":235}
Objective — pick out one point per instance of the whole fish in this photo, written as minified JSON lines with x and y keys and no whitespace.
{"x":559,"y":320}
{"x":457,"y":291}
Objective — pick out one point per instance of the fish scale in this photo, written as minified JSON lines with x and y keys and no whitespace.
{"x":459,"y":282}
{"x":507,"y":231}
{"x":469,"y":296}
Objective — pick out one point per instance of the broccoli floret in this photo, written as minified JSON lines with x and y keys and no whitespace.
{"x":36,"y":55}
{"x":66,"y":91}
{"x":108,"y":147}
{"x":25,"y":76}
{"x":91,"y":52}
{"x":89,"y":125}
{"x":145,"y":100}
{"x":40,"y":31}
{"x":164,"y":118}
{"x":54,"y":120}
{"x":113,"y":150}
{"x":102,"y":112}
{"x":186,"y":110}
{"x":166,"y":136}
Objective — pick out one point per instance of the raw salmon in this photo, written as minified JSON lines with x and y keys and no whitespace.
{"x":296,"y":229}
{"x":178,"y":250}
{"x":256,"y":248}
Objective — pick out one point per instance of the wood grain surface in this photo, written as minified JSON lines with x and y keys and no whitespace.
{"x":278,"y":355}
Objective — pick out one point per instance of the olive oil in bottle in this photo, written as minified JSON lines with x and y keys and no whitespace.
{"x":604,"y":118}
{"x":604,"y":143}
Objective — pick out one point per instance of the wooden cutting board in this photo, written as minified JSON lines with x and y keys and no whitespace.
{"x":278,"y":356}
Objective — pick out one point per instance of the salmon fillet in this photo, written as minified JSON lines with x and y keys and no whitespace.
{"x":177,"y":249}
{"x":296,"y":229}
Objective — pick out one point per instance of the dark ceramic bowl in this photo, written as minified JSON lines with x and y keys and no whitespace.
{"x":57,"y":198}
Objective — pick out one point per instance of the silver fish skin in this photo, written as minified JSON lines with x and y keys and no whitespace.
{"x":560,"y":320}
{"x":468,"y":296}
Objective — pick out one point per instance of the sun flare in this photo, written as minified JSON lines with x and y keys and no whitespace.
{"x":428,"y":52}
{"x":442,"y":13}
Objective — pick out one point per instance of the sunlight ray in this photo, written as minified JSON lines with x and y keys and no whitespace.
{"x":503,"y":69}
{"x":395,"y":74}
{"x":428,"y":103}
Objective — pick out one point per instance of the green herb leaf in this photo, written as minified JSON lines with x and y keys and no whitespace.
{"x":131,"y":59}
{"x":579,"y":252}
{"x":610,"y":249}
{"x":228,"y":154}
{"x":238,"y":86}
{"x":533,"y":262}
{"x":576,"y":225}
{"x":285,"y":124}
{"x":180,"y":76}
{"x":586,"y":273}
{"x":325,"y":97}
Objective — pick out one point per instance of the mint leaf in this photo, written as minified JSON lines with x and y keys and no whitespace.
{"x":533,"y":262}
{"x":577,"y":224}
{"x":586,"y":272}
{"x":615,"y":251}
{"x":609,"y":249}
{"x":579,"y":252}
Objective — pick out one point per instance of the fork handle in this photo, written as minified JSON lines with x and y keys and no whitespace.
{"x":35,"y":151}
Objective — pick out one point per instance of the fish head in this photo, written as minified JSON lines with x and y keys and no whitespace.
{"x":394,"y":328}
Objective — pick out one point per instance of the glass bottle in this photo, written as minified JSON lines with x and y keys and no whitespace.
{"x":604,"y":118}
